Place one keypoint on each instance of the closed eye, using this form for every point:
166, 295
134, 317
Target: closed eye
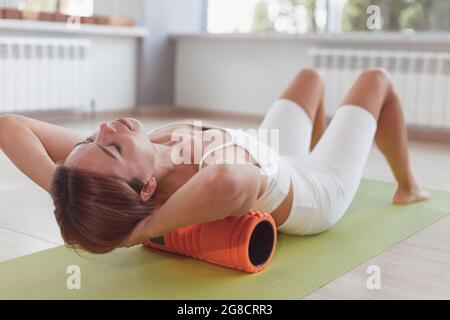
107, 152
88, 140
118, 148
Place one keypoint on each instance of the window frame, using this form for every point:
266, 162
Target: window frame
333, 27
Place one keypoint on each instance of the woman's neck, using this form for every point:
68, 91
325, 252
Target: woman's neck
164, 173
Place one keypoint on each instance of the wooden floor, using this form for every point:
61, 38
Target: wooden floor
417, 268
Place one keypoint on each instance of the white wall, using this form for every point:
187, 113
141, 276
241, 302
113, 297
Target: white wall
163, 18
245, 73
114, 72
235, 75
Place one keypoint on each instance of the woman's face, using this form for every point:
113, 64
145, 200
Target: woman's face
120, 148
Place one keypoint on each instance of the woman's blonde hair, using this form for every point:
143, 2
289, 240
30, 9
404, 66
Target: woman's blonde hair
96, 212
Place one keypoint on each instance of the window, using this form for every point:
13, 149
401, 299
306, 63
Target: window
43, 5
399, 15
70, 7
77, 7
301, 16
289, 16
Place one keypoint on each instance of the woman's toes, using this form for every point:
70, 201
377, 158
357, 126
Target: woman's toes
402, 196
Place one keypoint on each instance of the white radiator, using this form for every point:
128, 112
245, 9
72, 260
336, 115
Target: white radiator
422, 80
44, 74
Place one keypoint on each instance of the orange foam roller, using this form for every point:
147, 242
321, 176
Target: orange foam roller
246, 243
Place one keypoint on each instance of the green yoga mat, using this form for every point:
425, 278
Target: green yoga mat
300, 264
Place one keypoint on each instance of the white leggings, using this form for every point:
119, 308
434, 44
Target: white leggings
324, 181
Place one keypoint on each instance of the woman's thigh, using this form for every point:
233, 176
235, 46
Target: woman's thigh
326, 182
346, 145
290, 128
294, 113
370, 91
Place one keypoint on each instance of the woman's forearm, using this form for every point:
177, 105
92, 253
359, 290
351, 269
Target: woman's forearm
26, 151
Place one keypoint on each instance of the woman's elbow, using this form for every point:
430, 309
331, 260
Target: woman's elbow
7, 120
6, 125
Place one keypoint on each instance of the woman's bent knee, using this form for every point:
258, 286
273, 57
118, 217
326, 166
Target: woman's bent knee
311, 76
306, 90
370, 91
377, 76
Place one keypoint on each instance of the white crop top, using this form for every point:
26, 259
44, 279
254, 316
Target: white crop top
278, 179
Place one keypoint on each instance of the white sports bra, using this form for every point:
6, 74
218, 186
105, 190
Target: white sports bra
278, 179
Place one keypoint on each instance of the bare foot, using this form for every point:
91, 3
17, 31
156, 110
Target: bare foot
408, 196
